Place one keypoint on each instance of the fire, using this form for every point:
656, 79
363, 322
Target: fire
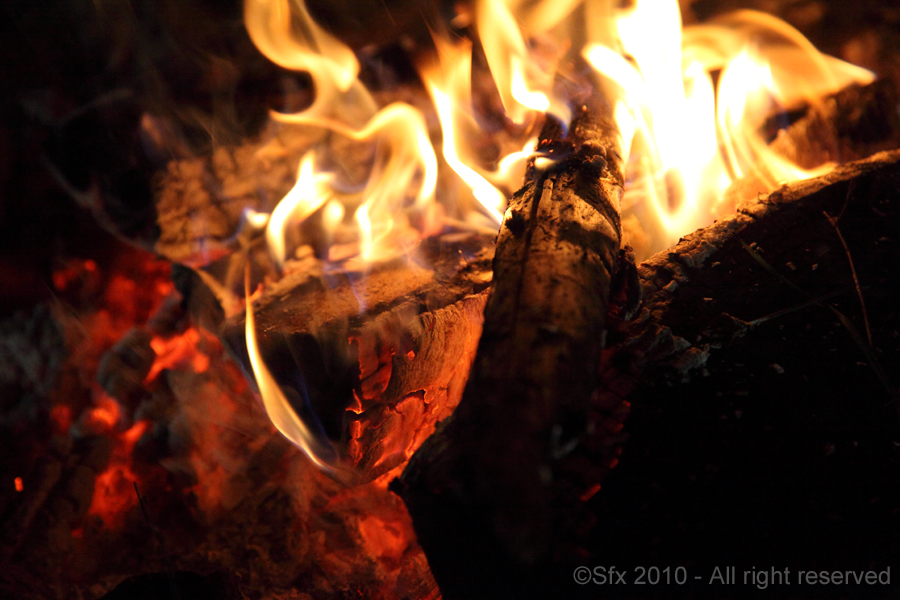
448, 83
404, 171
280, 411
690, 101
692, 137
690, 104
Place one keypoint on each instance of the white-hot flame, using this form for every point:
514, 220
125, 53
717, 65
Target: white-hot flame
694, 138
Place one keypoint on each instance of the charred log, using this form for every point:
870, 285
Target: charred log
488, 493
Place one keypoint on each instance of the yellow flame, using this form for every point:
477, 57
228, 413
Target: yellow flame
449, 84
688, 137
404, 174
309, 193
276, 404
405, 156
287, 34
507, 56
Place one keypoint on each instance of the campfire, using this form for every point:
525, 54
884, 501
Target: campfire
486, 299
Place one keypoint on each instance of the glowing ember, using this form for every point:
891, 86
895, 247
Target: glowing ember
104, 415
179, 352
18, 484
113, 489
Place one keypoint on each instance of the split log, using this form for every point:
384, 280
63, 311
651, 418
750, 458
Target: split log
379, 359
488, 492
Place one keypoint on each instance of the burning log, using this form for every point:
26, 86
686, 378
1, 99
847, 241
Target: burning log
380, 360
852, 124
485, 491
687, 287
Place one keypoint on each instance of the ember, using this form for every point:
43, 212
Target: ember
353, 295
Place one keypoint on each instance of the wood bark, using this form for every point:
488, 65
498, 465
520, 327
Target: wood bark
485, 491
789, 229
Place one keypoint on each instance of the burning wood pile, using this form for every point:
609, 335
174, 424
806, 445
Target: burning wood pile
499, 291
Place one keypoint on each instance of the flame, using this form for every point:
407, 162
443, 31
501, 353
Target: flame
691, 101
693, 138
403, 176
690, 104
308, 194
280, 411
286, 33
508, 57
449, 83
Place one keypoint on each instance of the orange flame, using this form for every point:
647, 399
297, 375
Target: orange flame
404, 174
449, 83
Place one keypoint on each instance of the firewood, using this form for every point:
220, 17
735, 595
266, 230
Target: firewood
200, 201
485, 491
686, 286
381, 358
